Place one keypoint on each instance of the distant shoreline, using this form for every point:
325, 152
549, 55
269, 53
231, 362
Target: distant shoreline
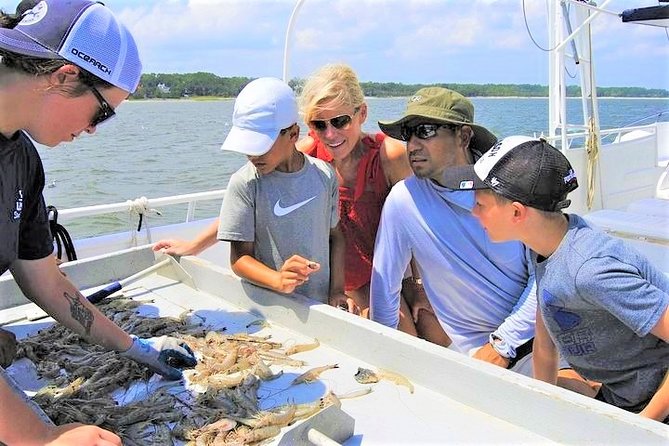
216, 98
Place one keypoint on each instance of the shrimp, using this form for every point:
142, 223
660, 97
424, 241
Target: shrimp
312, 374
355, 393
280, 358
298, 348
280, 417
307, 409
264, 372
247, 436
62, 392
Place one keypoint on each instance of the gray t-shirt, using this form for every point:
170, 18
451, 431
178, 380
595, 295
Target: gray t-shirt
600, 299
285, 214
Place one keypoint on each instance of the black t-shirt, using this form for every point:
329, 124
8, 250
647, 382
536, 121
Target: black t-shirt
24, 224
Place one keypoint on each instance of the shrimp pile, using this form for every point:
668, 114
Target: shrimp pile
219, 407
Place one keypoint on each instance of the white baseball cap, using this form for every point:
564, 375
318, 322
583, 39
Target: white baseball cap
262, 109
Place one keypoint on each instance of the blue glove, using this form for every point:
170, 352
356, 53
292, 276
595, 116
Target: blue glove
162, 355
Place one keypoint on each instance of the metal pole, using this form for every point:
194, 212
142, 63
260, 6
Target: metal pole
584, 24
289, 35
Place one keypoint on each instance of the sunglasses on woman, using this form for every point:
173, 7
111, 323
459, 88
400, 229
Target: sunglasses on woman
104, 112
423, 131
340, 122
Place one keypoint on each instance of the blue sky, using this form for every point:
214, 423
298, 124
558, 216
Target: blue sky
408, 41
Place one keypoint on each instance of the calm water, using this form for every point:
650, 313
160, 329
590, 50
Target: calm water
157, 149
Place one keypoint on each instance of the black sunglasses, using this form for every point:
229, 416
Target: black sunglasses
423, 131
104, 112
338, 122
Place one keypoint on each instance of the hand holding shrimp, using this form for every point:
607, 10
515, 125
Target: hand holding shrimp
294, 272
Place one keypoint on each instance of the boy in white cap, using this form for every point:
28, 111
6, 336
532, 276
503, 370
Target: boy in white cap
280, 212
603, 305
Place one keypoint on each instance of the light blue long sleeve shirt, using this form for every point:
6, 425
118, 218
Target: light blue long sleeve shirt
475, 286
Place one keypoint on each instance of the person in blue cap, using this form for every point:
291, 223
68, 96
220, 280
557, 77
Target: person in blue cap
65, 66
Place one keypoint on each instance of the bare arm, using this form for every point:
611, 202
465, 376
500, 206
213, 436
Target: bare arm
661, 329
395, 161
304, 144
19, 424
337, 253
41, 281
658, 407
544, 354
292, 274
202, 241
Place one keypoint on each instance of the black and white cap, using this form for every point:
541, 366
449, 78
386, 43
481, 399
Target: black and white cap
519, 168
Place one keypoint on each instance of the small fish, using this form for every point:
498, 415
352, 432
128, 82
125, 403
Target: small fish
367, 376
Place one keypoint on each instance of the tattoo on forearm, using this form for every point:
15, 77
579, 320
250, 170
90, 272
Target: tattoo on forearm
80, 313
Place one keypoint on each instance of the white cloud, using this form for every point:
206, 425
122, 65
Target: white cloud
402, 40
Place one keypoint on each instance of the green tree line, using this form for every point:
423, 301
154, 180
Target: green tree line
193, 85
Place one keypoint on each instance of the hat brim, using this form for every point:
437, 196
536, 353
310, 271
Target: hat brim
15, 41
483, 139
462, 178
249, 142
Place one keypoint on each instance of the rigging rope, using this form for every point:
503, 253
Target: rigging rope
529, 33
60, 236
140, 206
592, 143
592, 149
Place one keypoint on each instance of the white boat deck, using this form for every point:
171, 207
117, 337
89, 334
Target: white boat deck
456, 399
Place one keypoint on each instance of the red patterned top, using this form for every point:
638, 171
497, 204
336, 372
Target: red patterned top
359, 209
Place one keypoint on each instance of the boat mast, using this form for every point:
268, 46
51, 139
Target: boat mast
563, 17
289, 38
570, 30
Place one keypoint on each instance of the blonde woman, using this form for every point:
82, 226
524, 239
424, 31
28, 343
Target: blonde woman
367, 165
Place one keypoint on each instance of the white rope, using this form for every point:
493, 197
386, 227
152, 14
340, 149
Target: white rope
592, 143
592, 149
137, 207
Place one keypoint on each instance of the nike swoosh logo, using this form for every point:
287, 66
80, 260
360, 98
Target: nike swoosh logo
280, 211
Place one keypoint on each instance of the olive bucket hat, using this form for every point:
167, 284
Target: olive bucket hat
440, 105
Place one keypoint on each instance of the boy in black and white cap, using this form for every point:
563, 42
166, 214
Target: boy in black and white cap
603, 305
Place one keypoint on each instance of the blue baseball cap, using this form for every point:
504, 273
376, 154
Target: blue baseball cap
83, 32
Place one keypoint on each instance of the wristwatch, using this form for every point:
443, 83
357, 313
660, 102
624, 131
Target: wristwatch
501, 346
416, 281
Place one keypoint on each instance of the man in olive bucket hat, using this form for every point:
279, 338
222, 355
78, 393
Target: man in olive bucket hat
436, 105
481, 293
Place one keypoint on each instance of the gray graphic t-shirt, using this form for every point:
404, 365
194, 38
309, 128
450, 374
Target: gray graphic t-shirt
599, 300
285, 214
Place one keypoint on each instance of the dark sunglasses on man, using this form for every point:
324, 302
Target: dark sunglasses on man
105, 111
424, 131
338, 122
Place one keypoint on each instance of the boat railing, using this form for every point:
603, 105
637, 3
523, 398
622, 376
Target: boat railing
143, 205
582, 133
